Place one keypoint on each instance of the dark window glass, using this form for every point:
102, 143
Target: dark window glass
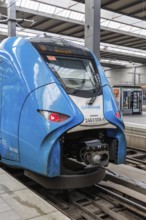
77, 75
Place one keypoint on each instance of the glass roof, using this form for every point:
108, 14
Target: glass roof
3, 29
117, 62
50, 9
123, 27
76, 11
103, 46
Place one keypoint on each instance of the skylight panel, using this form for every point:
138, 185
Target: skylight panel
81, 17
66, 13
33, 5
143, 32
58, 11
125, 27
25, 3
42, 7
105, 22
62, 12
135, 30
114, 24
52, 9
74, 15
46, 8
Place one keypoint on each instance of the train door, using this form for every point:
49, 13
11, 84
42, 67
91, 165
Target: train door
136, 102
127, 102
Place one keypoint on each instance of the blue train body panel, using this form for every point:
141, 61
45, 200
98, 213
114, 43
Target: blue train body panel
110, 109
44, 145
33, 89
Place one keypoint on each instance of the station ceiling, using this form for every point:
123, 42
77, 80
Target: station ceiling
123, 24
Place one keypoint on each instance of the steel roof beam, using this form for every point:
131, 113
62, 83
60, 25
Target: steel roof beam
112, 36
108, 3
130, 40
53, 26
129, 5
137, 12
73, 30
40, 22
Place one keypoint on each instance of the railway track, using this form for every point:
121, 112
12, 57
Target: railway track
115, 198
136, 158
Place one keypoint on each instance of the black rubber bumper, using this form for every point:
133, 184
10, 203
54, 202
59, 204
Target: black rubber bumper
68, 181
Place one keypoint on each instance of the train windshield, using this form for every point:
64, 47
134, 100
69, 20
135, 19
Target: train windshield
72, 64
77, 75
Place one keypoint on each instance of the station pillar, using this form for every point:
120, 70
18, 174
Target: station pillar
92, 25
11, 11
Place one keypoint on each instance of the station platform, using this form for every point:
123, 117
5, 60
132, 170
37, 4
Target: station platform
138, 120
135, 131
17, 202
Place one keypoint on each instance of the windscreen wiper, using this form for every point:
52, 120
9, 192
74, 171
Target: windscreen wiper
96, 93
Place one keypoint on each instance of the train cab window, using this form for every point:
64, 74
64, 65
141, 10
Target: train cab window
73, 65
77, 75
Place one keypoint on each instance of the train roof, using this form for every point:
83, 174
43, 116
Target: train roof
58, 45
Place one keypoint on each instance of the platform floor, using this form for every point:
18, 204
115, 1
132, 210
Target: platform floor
135, 120
17, 202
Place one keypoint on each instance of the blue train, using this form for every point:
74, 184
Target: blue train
59, 120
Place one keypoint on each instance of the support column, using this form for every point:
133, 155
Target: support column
11, 11
134, 75
92, 25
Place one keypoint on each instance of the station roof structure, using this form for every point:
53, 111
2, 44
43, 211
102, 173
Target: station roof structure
123, 25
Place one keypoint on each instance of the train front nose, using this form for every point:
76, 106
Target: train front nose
47, 113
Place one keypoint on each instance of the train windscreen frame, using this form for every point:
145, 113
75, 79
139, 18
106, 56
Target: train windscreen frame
74, 68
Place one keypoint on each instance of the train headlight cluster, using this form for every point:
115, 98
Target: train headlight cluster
53, 116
